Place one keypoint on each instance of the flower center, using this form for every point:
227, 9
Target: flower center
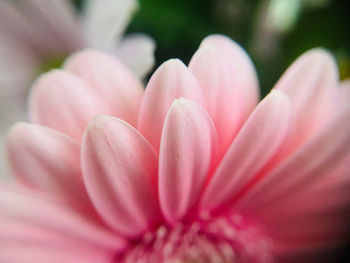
224, 239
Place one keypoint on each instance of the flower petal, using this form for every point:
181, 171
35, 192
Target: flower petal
310, 82
63, 101
314, 162
187, 155
61, 26
106, 20
43, 252
120, 172
228, 80
111, 81
45, 32
171, 81
137, 52
28, 218
260, 138
344, 95
47, 160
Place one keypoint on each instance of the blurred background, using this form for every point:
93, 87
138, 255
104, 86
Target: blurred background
274, 32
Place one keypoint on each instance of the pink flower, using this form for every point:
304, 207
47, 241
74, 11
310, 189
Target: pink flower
38, 34
191, 170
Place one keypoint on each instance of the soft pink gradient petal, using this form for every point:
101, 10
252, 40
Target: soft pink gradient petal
187, 155
313, 213
51, 223
120, 172
171, 81
229, 82
113, 82
303, 201
64, 102
313, 162
44, 252
310, 82
44, 159
260, 138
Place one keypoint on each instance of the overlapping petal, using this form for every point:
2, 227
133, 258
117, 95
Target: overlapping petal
187, 156
171, 81
120, 173
111, 81
314, 162
228, 80
311, 83
52, 232
46, 160
259, 140
65, 102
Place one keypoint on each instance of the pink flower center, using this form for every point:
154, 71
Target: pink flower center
223, 239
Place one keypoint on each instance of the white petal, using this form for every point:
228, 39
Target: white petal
106, 20
137, 52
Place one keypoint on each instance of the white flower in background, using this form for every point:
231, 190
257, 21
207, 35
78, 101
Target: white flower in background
36, 35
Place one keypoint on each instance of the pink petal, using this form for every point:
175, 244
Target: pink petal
304, 200
28, 219
43, 252
47, 160
114, 84
171, 81
313, 163
260, 138
228, 80
187, 155
120, 171
310, 82
63, 101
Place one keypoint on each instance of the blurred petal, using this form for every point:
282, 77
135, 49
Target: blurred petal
344, 94
43, 252
14, 26
120, 172
310, 82
4, 173
228, 80
28, 218
171, 81
113, 83
187, 154
137, 52
32, 23
260, 138
106, 20
61, 25
17, 66
63, 101
47, 160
